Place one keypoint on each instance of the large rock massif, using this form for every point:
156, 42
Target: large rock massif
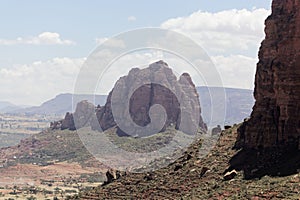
144, 88
275, 120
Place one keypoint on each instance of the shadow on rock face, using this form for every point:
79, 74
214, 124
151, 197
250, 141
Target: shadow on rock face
271, 162
121, 133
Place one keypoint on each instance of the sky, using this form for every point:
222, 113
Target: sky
43, 44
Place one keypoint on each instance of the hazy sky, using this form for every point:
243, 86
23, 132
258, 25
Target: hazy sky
44, 43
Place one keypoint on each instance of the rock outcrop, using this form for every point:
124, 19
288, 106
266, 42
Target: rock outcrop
217, 130
275, 120
68, 122
147, 87
82, 116
143, 89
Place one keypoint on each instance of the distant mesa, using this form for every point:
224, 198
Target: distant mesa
143, 88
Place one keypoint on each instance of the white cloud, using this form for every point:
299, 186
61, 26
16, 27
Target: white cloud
100, 40
34, 83
141, 59
41, 80
131, 18
225, 36
110, 42
228, 31
45, 38
232, 39
236, 71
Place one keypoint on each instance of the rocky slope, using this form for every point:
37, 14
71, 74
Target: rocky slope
275, 120
192, 177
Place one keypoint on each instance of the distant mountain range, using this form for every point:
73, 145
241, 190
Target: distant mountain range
239, 103
59, 105
6, 106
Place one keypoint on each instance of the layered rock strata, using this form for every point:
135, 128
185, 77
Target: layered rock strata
275, 119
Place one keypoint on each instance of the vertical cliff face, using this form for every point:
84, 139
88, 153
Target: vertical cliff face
275, 119
151, 94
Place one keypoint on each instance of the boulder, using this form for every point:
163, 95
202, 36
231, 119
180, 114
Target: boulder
230, 175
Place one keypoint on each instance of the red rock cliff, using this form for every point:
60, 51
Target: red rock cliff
275, 120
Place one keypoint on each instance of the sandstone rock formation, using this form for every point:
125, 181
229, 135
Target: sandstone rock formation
68, 122
275, 120
142, 89
81, 117
83, 114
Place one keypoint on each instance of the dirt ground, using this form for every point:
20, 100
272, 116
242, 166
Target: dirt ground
59, 179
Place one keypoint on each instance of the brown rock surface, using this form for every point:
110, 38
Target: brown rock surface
275, 120
83, 114
68, 122
80, 118
188, 182
141, 87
